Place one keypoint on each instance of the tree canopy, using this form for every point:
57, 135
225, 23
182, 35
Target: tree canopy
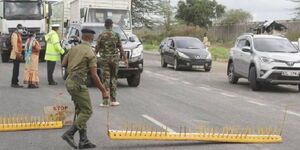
235, 16
141, 10
199, 12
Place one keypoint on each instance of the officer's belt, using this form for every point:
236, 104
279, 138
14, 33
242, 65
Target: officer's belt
77, 77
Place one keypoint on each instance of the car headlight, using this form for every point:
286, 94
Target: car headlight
180, 54
266, 60
208, 56
137, 51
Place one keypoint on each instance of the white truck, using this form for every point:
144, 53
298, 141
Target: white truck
97, 11
32, 14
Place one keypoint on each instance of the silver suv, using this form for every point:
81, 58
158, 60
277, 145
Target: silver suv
264, 58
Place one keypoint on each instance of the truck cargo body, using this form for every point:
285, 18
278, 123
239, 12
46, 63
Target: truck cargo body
29, 13
97, 11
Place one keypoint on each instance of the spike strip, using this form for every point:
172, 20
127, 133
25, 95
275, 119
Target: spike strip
215, 137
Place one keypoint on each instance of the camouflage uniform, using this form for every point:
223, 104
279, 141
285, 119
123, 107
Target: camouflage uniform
80, 59
108, 46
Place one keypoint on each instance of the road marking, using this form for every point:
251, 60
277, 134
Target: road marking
158, 123
293, 113
229, 95
256, 103
205, 88
187, 83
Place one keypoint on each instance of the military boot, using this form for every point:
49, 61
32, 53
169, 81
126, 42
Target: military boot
69, 136
84, 142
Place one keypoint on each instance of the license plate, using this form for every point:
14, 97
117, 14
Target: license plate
196, 67
122, 64
290, 73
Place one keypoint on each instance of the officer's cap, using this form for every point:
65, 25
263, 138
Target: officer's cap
108, 22
88, 31
55, 26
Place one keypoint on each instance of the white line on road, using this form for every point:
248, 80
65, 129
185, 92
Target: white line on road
256, 103
293, 113
158, 123
205, 88
187, 83
229, 95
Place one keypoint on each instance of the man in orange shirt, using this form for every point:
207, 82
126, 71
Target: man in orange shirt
16, 55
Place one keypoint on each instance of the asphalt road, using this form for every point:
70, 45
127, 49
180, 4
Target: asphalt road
165, 97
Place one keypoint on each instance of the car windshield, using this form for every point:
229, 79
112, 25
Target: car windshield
274, 45
99, 30
189, 43
23, 10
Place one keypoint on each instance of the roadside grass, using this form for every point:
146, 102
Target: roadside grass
151, 47
218, 52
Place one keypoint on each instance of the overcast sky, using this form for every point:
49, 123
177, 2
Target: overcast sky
261, 9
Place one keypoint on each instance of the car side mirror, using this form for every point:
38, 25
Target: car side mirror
131, 39
246, 49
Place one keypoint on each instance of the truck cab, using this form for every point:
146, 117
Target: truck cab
132, 48
30, 13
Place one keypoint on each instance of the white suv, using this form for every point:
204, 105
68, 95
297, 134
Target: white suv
264, 58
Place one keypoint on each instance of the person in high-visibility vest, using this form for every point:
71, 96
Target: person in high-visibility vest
53, 52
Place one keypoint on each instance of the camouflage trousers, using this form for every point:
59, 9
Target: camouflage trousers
109, 75
81, 98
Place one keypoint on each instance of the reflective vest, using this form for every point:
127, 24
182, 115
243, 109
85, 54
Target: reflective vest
53, 49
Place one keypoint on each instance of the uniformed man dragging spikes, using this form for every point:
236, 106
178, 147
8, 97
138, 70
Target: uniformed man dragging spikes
79, 61
108, 45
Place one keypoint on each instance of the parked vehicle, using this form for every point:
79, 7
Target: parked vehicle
264, 59
185, 52
133, 49
31, 14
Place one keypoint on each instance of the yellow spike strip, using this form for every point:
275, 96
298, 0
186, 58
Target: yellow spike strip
229, 138
21, 122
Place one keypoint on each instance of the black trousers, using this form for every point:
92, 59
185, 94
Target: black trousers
16, 68
50, 70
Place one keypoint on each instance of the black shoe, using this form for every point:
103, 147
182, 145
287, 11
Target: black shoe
84, 142
69, 136
16, 86
53, 83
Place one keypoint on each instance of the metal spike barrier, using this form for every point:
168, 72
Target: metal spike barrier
21, 123
226, 135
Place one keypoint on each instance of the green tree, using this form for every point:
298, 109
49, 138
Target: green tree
141, 11
297, 8
199, 12
165, 12
235, 16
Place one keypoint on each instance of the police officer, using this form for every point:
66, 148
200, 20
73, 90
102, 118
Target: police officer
108, 45
79, 61
53, 52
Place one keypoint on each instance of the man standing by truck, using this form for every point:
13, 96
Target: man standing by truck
109, 44
16, 55
53, 52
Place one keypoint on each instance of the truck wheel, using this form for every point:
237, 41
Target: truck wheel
254, 84
232, 78
134, 81
64, 73
163, 63
5, 57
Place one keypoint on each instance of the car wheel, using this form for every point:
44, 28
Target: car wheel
254, 84
163, 63
232, 78
207, 69
64, 73
176, 66
5, 57
299, 88
134, 81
